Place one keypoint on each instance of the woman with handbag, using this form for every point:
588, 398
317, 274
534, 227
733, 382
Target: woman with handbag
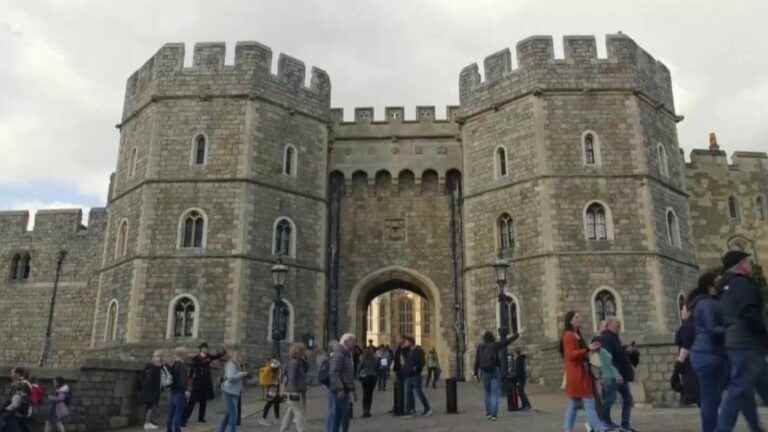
368, 378
59, 410
579, 383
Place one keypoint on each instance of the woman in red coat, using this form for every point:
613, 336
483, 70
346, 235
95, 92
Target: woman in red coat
579, 384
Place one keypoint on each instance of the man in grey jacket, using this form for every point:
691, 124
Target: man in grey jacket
342, 382
746, 338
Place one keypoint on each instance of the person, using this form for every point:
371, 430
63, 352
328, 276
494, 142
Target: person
413, 368
745, 340
59, 409
25, 387
231, 388
17, 407
329, 418
433, 367
521, 378
274, 397
342, 382
683, 376
202, 383
267, 378
612, 343
295, 388
385, 362
150, 389
487, 368
707, 354
609, 378
179, 392
400, 356
579, 384
367, 374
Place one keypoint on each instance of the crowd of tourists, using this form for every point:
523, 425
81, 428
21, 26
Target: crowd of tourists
27, 397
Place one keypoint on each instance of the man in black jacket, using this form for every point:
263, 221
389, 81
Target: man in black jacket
746, 338
179, 392
412, 369
521, 377
612, 344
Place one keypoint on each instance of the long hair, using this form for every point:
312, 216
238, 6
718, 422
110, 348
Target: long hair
706, 281
568, 327
488, 337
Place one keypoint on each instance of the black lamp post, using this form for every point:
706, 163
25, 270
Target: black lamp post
501, 268
279, 322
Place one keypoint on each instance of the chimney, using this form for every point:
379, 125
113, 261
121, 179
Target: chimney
713, 147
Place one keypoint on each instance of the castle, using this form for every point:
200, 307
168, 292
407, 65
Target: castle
568, 168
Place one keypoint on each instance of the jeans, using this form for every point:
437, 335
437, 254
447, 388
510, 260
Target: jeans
520, 383
433, 375
626, 405
711, 372
571, 409
492, 387
337, 412
178, 402
748, 369
413, 385
230, 418
610, 393
294, 412
383, 376
369, 385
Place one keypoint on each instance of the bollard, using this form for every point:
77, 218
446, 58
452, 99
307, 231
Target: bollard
451, 396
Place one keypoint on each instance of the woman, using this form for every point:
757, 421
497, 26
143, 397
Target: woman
579, 384
295, 388
368, 377
708, 357
150, 389
202, 384
231, 388
273, 395
683, 376
433, 367
59, 410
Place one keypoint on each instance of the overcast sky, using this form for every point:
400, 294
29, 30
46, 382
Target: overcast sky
64, 63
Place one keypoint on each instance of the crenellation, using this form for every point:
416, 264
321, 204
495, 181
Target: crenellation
364, 115
209, 56
337, 115
535, 51
291, 70
253, 55
425, 113
395, 114
497, 65
580, 49
451, 112
13, 222
320, 82
58, 220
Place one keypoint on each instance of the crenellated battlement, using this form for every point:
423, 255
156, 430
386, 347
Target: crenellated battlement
395, 115
164, 74
627, 67
702, 159
50, 221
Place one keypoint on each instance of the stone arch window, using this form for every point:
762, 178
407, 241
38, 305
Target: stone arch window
426, 318
734, 212
121, 246
383, 304
21, 266
606, 303
406, 181
405, 316
110, 328
663, 160
760, 210
429, 182
284, 238
673, 229
383, 181
598, 221
513, 312
132, 165
193, 229
288, 317
290, 160
183, 317
200, 150
501, 162
590, 149
506, 234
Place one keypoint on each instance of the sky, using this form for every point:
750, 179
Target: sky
64, 64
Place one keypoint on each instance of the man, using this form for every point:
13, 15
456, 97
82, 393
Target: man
400, 357
178, 391
414, 365
202, 383
745, 341
487, 366
342, 381
16, 411
521, 378
612, 343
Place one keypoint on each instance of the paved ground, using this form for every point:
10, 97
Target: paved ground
547, 415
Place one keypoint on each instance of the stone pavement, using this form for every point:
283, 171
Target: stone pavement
547, 415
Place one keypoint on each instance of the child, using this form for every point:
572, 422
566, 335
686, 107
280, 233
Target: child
273, 394
59, 410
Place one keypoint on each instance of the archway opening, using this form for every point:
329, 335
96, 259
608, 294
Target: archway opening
396, 309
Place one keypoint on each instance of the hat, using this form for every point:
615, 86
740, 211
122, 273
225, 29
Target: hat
731, 258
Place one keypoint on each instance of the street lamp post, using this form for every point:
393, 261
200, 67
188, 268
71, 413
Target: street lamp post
501, 268
279, 324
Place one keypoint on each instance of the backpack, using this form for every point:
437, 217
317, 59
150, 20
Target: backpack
324, 372
68, 397
166, 377
266, 376
36, 395
487, 357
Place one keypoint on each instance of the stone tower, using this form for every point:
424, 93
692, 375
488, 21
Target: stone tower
221, 167
573, 171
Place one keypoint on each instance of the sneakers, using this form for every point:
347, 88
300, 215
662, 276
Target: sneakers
263, 422
493, 418
427, 413
150, 426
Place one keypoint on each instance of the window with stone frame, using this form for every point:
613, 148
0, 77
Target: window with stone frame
760, 210
110, 333
506, 232
283, 238
514, 318
383, 316
605, 306
184, 318
21, 265
673, 229
734, 213
200, 150
663, 160
193, 230
590, 149
290, 160
426, 318
132, 167
121, 249
405, 316
501, 162
596, 222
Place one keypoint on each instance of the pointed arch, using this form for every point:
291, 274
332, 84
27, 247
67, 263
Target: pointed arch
200, 150
606, 302
183, 317
598, 221
505, 234
291, 321
284, 237
673, 228
110, 325
663, 159
591, 154
193, 229
121, 245
514, 313
500, 161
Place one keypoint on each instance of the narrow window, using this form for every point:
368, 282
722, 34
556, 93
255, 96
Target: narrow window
663, 162
283, 233
506, 231
760, 208
15, 267
111, 330
383, 316
289, 160
733, 209
673, 229
132, 166
193, 230
605, 305
596, 222
184, 318
589, 149
406, 316
501, 156
426, 318
200, 150
26, 266
514, 325
122, 240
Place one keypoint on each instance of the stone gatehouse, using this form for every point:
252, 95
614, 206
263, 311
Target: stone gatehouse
568, 168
